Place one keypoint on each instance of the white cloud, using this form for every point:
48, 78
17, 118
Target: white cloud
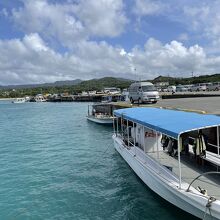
148, 7
172, 58
70, 23
53, 21
76, 25
203, 19
30, 60
4, 12
103, 17
34, 42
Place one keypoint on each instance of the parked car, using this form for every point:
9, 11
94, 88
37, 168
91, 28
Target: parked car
181, 88
159, 89
199, 87
188, 87
164, 90
143, 92
214, 86
171, 88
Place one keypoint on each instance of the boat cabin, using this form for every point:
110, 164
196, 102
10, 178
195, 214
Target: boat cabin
100, 113
100, 109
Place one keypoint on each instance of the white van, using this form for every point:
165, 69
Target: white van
143, 92
171, 88
214, 86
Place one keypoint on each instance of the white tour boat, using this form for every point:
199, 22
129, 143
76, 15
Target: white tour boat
40, 98
19, 100
176, 154
100, 114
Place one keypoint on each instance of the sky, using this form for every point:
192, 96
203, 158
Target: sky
54, 40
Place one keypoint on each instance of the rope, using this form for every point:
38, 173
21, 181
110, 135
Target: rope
211, 199
101, 156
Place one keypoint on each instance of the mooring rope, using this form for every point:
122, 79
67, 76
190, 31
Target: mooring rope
208, 207
101, 156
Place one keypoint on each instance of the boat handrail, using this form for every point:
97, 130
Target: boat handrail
203, 174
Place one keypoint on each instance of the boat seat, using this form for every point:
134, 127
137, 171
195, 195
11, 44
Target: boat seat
210, 157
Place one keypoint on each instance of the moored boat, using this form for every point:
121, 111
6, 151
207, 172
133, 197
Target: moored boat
40, 98
100, 114
19, 100
176, 154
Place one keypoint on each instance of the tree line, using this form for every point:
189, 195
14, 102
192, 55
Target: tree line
100, 84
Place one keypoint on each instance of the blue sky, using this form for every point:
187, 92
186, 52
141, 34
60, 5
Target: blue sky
49, 40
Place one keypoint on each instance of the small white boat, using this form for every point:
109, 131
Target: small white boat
101, 119
176, 154
40, 98
100, 114
19, 100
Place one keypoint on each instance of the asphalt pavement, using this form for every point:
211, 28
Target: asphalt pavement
208, 105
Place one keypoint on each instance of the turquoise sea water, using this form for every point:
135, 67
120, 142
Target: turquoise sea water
54, 164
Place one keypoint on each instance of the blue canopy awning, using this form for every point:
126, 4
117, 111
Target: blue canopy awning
170, 122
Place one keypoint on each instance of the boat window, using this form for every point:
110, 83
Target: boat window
148, 88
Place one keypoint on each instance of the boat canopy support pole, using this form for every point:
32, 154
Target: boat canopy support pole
113, 125
134, 129
128, 132
122, 127
117, 127
180, 171
143, 134
157, 145
218, 139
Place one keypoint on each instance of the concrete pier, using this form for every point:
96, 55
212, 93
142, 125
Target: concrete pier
203, 105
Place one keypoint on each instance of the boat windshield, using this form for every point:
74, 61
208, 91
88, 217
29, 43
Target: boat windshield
148, 88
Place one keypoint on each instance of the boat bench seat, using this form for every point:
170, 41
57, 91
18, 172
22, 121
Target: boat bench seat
210, 157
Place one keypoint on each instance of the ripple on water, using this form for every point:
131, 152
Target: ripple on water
53, 166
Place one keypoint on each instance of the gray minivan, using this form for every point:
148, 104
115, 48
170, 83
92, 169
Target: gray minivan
143, 92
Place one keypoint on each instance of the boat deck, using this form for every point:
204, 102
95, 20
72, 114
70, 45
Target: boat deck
190, 170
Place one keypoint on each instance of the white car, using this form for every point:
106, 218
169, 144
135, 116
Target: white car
181, 88
214, 86
198, 87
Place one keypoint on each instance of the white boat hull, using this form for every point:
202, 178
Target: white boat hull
104, 121
190, 202
15, 102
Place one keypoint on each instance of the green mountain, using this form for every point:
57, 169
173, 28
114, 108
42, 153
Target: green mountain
77, 86
99, 84
65, 87
189, 80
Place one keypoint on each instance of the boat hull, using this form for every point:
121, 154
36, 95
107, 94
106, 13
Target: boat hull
171, 193
15, 102
101, 120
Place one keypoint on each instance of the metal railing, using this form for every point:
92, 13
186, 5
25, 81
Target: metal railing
203, 174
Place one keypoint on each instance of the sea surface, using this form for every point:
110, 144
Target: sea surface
54, 164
